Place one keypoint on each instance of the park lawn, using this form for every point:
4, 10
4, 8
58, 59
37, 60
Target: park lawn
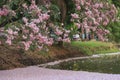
94, 47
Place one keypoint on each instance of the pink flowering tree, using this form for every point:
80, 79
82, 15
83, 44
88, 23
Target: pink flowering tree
27, 24
34, 28
93, 16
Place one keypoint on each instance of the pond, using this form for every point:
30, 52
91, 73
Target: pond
104, 64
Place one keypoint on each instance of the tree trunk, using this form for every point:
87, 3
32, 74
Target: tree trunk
92, 36
63, 9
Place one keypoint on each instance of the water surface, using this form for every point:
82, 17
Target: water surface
105, 64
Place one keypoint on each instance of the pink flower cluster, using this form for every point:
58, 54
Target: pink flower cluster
4, 11
58, 32
33, 5
75, 16
11, 35
101, 33
35, 31
93, 14
61, 33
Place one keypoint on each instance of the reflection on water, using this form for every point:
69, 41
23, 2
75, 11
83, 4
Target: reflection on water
106, 64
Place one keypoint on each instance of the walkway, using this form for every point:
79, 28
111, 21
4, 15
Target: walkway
37, 73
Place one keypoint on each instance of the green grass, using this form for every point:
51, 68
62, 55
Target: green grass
94, 47
104, 64
91, 43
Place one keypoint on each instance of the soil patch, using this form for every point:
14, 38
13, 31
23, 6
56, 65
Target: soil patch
12, 57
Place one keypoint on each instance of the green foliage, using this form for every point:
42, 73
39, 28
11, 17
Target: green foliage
70, 9
2, 2
55, 13
116, 3
14, 4
115, 31
73, 28
115, 26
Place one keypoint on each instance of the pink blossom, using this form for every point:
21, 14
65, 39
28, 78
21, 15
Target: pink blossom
75, 15
4, 11
10, 31
33, 5
99, 19
36, 29
93, 15
82, 2
65, 35
107, 31
40, 18
45, 16
96, 5
40, 47
25, 20
88, 3
27, 44
13, 13
26, 31
87, 30
78, 25
58, 32
88, 13
66, 40
67, 31
24, 37
101, 5
59, 39
9, 41
93, 28
0, 42
43, 39
32, 25
96, 23
49, 42
32, 37
15, 33
36, 21
78, 7
25, 6
105, 23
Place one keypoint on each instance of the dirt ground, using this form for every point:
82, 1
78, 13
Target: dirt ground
12, 57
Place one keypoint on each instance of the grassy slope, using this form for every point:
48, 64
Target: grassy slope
94, 47
11, 57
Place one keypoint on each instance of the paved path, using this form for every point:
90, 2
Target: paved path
37, 73
78, 58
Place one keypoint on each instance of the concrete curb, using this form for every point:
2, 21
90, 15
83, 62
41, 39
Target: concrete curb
76, 58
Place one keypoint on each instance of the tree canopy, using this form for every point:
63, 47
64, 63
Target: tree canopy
39, 23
